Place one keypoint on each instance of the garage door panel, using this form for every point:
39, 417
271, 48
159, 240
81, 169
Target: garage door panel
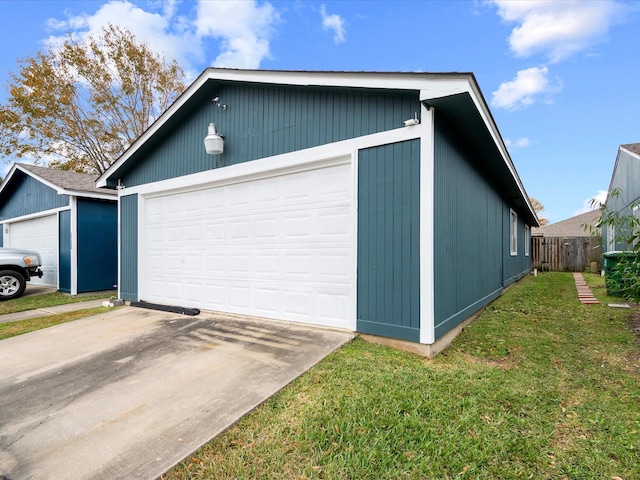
214, 297
266, 227
41, 235
279, 247
334, 267
331, 304
267, 301
334, 223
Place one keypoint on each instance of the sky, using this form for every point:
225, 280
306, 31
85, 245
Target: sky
560, 77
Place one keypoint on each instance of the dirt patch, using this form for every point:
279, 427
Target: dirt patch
503, 363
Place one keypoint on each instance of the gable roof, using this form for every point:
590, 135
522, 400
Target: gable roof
63, 181
456, 97
571, 227
632, 148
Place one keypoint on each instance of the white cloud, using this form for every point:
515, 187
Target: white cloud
244, 27
154, 28
521, 142
523, 90
334, 23
558, 28
592, 203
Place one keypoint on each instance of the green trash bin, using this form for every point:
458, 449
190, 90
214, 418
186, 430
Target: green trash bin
616, 285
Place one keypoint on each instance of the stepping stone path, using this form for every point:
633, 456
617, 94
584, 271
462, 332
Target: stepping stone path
585, 295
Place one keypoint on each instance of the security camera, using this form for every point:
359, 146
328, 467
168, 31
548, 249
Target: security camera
411, 121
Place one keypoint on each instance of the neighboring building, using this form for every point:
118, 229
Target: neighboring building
384, 203
571, 227
572, 245
625, 181
63, 216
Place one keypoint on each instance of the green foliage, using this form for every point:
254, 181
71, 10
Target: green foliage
80, 105
12, 329
34, 302
623, 271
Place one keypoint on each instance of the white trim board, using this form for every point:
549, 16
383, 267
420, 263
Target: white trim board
286, 161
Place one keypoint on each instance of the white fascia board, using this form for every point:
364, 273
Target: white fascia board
465, 83
267, 166
613, 174
53, 186
379, 80
8, 177
59, 190
31, 174
629, 152
370, 80
96, 196
445, 87
101, 182
30, 216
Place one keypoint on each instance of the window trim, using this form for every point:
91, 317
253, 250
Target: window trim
611, 238
527, 240
513, 232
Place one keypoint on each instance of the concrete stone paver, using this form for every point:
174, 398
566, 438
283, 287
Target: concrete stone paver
129, 393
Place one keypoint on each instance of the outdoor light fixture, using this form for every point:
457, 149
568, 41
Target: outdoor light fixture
412, 121
216, 102
214, 142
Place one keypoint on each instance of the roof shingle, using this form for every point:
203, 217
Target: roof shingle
74, 181
571, 227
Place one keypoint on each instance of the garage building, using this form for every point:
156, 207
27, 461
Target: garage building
383, 203
64, 217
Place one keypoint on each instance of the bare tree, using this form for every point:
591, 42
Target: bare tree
80, 105
538, 207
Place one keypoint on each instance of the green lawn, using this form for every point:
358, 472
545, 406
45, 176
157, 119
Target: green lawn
33, 302
539, 386
12, 329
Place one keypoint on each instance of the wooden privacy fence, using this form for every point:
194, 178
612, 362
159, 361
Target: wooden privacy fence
565, 254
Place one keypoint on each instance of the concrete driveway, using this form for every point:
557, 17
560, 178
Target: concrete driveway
130, 393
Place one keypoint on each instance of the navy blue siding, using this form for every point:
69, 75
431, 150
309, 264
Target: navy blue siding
64, 255
97, 245
388, 291
471, 235
26, 195
261, 121
2, 236
129, 247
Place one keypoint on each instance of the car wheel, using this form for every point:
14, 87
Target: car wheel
12, 284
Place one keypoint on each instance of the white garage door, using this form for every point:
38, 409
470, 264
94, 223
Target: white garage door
279, 247
41, 235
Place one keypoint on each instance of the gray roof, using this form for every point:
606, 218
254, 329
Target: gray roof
67, 180
571, 227
632, 147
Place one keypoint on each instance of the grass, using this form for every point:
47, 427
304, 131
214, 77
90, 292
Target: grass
13, 329
34, 302
539, 386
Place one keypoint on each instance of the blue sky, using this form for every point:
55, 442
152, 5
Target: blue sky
561, 77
